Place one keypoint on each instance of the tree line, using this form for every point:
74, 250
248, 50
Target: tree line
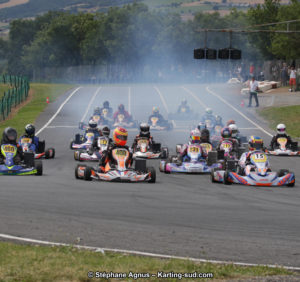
135, 37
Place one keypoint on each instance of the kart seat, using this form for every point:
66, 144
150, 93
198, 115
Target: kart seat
156, 147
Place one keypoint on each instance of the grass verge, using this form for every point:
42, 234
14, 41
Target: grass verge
45, 263
289, 115
29, 112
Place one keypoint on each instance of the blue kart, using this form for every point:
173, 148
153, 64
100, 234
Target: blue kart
26, 167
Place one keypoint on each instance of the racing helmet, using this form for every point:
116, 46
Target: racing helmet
255, 143
155, 110
208, 111
105, 104
231, 121
92, 124
121, 107
184, 102
218, 119
195, 136
120, 135
281, 128
97, 111
30, 130
201, 125
105, 131
226, 132
234, 130
144, 129
9, 135
205, 135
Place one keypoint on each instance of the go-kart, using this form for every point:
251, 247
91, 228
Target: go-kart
26, 167
121, 121
119, 172
82, 142
157, 124
105, 114
183, 115
200, 159
97, 118
80, 155
283, 149
257, 173
144, 151
40, 152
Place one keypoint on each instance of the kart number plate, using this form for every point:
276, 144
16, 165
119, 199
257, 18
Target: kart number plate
281, 140
121, 153
103, 142
259, 157
96, 118
194, 149
226, 145
206, 147
26, 140
90, 134
9, 149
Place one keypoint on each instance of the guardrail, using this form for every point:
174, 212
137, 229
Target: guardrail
16, 95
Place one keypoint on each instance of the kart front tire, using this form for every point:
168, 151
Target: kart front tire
152, 174
291, 184
165, 153
39, 168
87, 174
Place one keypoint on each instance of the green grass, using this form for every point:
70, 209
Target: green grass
289, 115
31, 111
41, 263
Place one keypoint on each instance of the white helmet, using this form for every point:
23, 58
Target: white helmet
234, 130
281, 128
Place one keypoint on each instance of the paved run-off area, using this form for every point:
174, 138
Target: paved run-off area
184, 215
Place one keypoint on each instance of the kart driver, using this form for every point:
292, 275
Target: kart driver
183, 107
235, 132
227, 136
92, 128
281, 133
155, 113
30, 133
256, 145
120, 135
201, 125
108, 108
209, 116
9, 136
219, 121
195, 137
204, 136
97, 111
231, 121
121, 111
144, 133
104, 132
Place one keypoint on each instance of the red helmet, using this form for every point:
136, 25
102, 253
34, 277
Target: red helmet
231, 121
120, 136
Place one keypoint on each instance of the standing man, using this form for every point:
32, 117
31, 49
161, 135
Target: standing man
293, 79
253, 91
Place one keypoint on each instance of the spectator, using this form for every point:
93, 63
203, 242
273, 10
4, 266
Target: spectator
293, 79
284, 75
253, 91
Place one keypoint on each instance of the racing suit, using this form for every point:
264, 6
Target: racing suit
95, 146
35, 142
108, 158
109, 111
160, 121
245, 159
19, 155
235, 145
139, 136
127, 116
274, 140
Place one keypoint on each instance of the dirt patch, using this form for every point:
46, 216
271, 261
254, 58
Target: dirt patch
13, 3
14, 110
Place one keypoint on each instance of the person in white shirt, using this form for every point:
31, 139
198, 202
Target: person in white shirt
293, 79
253, 91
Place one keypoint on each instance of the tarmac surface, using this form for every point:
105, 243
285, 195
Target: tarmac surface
184, 215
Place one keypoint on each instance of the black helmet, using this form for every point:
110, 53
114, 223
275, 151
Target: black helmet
106, 131
106, 104
9, 135
97, 110
144, 128
204, 135
92, 124
121, 107
30, 130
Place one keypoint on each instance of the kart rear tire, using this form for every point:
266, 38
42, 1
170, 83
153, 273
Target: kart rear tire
212, 176
153, 174
225, 180
283, 172
87, 174
76, 155
165, 153
39, 167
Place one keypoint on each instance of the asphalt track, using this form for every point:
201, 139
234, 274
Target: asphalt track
183, 215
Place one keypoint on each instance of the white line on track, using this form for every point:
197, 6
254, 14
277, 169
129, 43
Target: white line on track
239, 112
129, 100
57, 112
90, 103
97, 249
164, 103
195, 97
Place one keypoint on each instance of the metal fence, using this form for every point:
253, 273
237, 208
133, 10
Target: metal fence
17, 94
